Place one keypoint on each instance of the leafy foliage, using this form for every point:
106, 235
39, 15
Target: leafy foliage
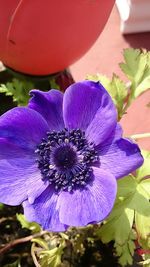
49, 252
32, 226
137, 69
18, 89
52, 257
132, 205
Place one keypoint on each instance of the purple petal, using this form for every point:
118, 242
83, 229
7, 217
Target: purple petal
88, 101
91, 204
103, 123
49, 105
23, 127
14, 174
45, 211
120, 158
10, 150
115, 135
35, 186
20, 177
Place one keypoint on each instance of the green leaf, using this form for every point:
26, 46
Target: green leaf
133, 194
132, 63
142, 217
119, 223
144, 170
137, 69
32, 226
140, 200
142, 225
52, 257
119, 89
132, 201
145, 187
125, 252
41, 242
144, 83
18, 89
126, 188
117, 227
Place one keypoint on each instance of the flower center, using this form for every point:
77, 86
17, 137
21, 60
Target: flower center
65, 159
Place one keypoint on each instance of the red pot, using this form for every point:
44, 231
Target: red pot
42, 37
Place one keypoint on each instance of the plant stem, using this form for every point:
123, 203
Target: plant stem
34, 256
140, 136
19, 241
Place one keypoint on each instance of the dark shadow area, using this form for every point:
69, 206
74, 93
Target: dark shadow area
138, 40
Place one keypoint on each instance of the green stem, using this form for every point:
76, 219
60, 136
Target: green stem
140, 136
130, 99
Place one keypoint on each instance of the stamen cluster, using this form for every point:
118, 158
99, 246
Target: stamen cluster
65, 158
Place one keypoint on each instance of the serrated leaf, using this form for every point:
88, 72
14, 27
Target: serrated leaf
119, 88
50, 261
125, 251
131, 57
132, 198
51, 258
137, 69
119, 223
118, 91
125, 257
117, 228
131, 246
32, 226
18, 89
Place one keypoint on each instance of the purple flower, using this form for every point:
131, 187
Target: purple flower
61, 155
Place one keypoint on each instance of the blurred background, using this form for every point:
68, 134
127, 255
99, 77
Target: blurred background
127, 26
104, 57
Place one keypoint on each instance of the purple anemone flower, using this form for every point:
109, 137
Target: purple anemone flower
61, 155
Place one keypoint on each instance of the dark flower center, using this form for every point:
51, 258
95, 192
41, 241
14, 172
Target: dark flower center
65, 159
